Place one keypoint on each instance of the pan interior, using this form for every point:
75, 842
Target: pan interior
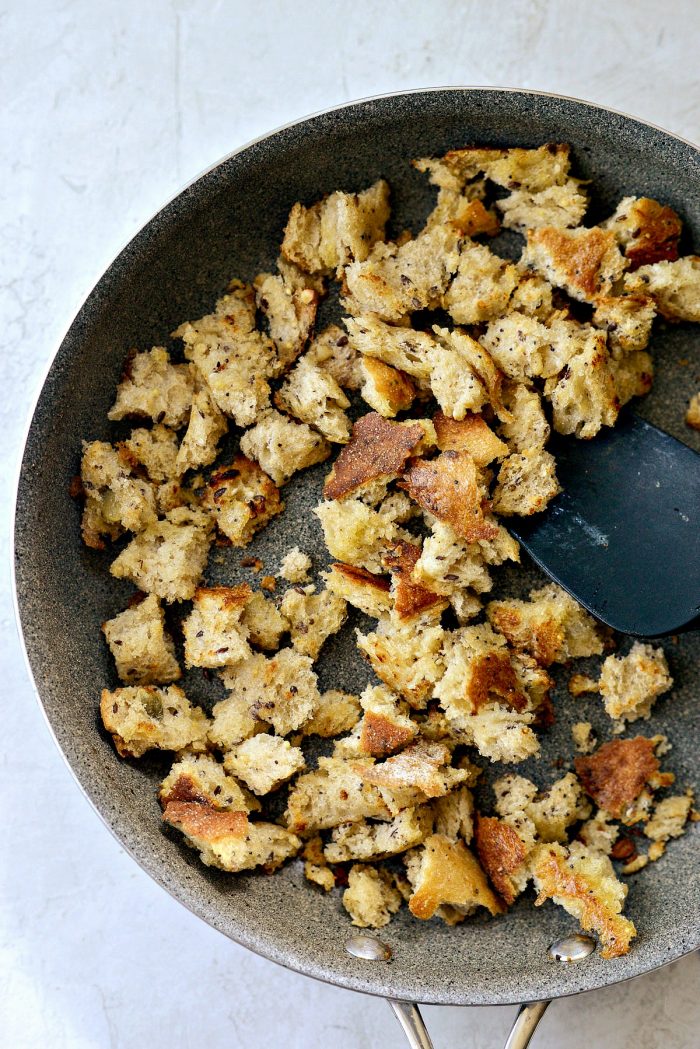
229, 224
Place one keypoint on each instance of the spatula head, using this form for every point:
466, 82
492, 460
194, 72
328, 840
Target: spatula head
623, 537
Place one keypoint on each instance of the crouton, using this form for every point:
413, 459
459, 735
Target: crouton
410, 598
361, 589
312, 618
200, 778
627, 319
632, 375
263, 622
449, 487
669, 817
497, 732
422, 766
377, 841
242, 499
550, 625
207, 425
357, 534
295, 566
282, 446
554, 207
316, 870
584, 262
264, 762
448, 564
478, 671
526, 483
332, 351
692, 415
333, 794
463, 378
464, 213
532, 297
502, 854
465, 606
280, 690
471, 434
385, 727
378, 451
228, 840
340, 229
154, 388
617, 773
482, 286
231, 356
406, 656
557, 808
143, 650
453, 814
213, 631
144, 717
396, 280
116, 499
289, 300
336, 712
449, 874
524, 348
527, 428
583, 882
385, 389
630, 684
155, 449
168, 558
599, 833
584, 737
402, 348
530, 169
647, 231
311, 394
233, 721
584, 397
674, 287
370, 898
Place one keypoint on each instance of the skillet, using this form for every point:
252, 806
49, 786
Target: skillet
228, 223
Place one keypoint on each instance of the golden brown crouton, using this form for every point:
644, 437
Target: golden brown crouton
143, 650
647, 231
482, 286
370, 898
289, 300
674, 287
627, 319
498, 733
377, 841
533, 297
316, 870
229, 840
402, 348
526, 483
584, 396
312, 618
692, 415
116, 499
362, 589
422, 766
630, 684
333, 794
357, 534
168, 558
213, 631
449, 487
410, 598
449, 564
242, 499
144, 718
233, 721
463, 377
337, 230
584, 262
153, 387
263, 622
478, 671
281, 690
449, 874
378, 450
295, 566
333, 351
531, 169
386, 389
155, 449
669, 817
336, 712
583, 882
264, 762
527, 428
551, 625
207, 425
406, 656
311, 394
463, 212
200, 778
471, 434
454, 813
632, 375
282, 446
502, 854
616, 774
599, 833
385, 727
556, 206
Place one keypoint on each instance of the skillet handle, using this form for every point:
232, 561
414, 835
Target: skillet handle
412, 1024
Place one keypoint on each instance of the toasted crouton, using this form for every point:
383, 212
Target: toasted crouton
582, 881
214, 633
282, 446
449, 487
357, 534
385, 727
410, 598
482, 286
527, 428
333, 351
370, 898
692, 415
242, 499
311, 394
143, 650
674, 287
406, 656
263, 622
526, 483
168, 558
627, 319
647, 231
144, 717
471, 434
669, 817
231, 356
632, 375
228, 840
362, 589
531, 169
464, 212
422, 766
454, 814
153, 387
156, 449
402, 348
524, 347
448, 873
333, 794
556, 206
630, 684
533, 297
502, 854
584, 262
478, 671
280, 690
233, 721
551, 625
116, 499
316, 870
377, 841
336, 712
312, 618
200, 778
207, 425
386, 389
289, 300
599, 833
448, 564
337, 230
264, 762
497, 732
463, 378
584, 396
617, 773
378, 451
557, 808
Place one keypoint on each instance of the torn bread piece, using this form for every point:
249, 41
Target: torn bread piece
530, 169
633, 375
533, 297
155, 449
206, 426
385, 726
405, 349
367, 591
333, 794
674, 287
332, 351
233, 721
385, 389
550, 625
453, 814
647, 231
582, 881
464, 211
214, 633
630, 684
316, 870
335, 713
618, 772
144, 717
295, 566
557, 206
482, 286
526, 483
446, 873
153, 387
377, 452
200, 778
498, 733
311, 395
584, 262
281, 690
143, 650
263, 623
312, 618
370, 898
527, 428
584, 395
502, 854
282, 447
115, 499
450, 488
478, 672
242, 499
463, 377
599, 832
406, 656
229, 840
339, 229
668, 820
357, 534
289, 300
231, 356
422, 767
584, 737
168, 558
451, 565
470, 434
628, 321
369, 842
409, 598
264, 762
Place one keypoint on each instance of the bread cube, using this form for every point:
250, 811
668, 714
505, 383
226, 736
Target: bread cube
370, 898
630, 684
627, 319
449, 874
264, 762
282, 446
281, 690
586, 263
143, 650
263, 622
312, 618
207, 425
333, 794
156, 450
213, 631
311, 394
242, 499
556, 206
143, 717
406, 656
200, 778
530, 169
551, 625
295, 566
647, 231
115, 499
370, 842
526, 483
336, 712
153, 387
332, 351
385, 389
168, 558
674, 287
482, 286
229, 840
289, 299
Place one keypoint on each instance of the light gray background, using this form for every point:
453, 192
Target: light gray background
106, 109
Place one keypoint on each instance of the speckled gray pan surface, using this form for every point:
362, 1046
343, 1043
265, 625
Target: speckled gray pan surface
229, 223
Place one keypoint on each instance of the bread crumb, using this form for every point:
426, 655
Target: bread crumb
295, 566
583, 736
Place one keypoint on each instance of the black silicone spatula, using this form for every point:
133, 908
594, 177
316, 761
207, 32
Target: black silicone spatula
624, 535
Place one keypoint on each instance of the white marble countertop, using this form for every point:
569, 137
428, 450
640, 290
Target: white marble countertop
107, 109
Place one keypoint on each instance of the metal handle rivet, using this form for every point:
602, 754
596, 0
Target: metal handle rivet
572, 948
369, 948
